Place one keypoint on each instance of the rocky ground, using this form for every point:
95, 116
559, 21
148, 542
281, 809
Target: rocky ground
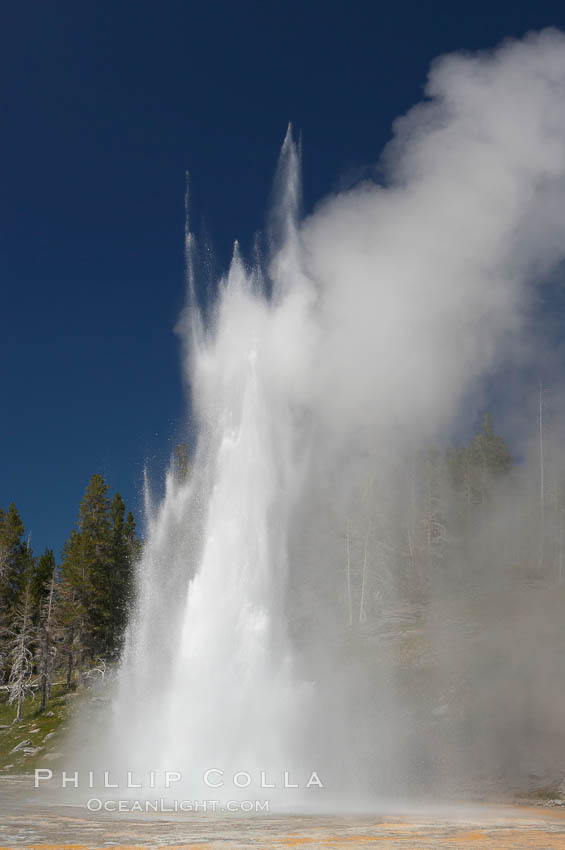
38, 735
29, 820
531, 814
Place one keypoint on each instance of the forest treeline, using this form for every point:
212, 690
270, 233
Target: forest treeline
467, 513
64, 618
437, 521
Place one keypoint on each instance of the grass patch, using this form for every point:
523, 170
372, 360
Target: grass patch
544, 794
42, 729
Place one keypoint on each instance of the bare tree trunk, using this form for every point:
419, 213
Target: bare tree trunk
21, 667
43, 690
69, 668
47, 640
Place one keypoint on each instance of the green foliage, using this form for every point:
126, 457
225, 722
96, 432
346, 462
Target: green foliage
73, 604
57, 620
16, 558
123, 553
93, 518
475, 468
34, 726
41, 577
97, 576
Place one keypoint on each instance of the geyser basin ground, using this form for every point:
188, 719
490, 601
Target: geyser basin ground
28, 821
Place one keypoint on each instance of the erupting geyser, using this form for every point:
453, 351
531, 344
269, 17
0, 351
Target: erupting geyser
225, 695
317, 376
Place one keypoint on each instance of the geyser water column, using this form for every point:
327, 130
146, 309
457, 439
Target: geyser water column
232, 685
422, 288
207, 680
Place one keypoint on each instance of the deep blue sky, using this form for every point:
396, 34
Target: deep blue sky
104, 106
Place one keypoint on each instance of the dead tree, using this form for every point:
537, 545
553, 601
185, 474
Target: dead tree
47, 643
21, 659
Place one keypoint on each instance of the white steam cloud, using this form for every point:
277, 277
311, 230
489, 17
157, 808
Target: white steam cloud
258, 638
423, 284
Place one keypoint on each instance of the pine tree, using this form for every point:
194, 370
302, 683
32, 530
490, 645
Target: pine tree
41, 578
474, 468
133, 542
95, 531
119, 578
492, 456
124, 553
433, 510
93, 512
85, 572
16, 557
96, 573
134, 549
4, 556
73, 602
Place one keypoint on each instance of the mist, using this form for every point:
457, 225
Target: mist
363, 575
